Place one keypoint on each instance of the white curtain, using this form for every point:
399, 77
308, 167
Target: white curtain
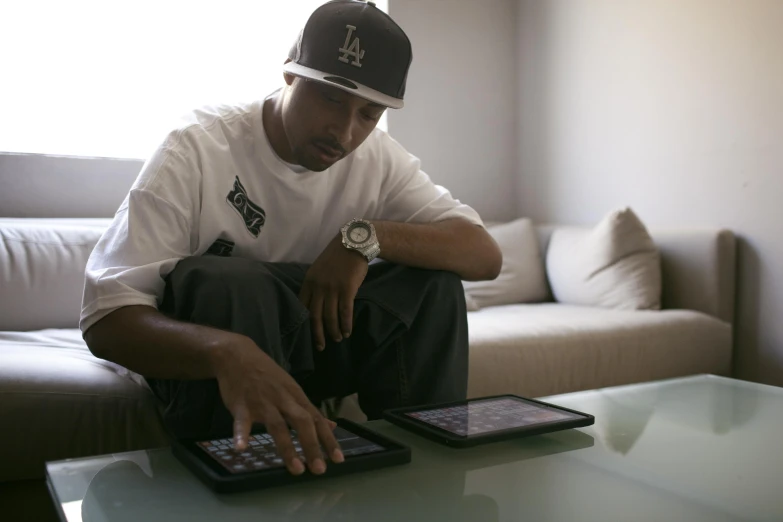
106, 78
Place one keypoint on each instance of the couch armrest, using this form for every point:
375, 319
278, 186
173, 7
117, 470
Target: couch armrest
698, 268
42, 263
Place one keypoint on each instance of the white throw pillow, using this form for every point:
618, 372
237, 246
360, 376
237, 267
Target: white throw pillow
522, 277
614, 265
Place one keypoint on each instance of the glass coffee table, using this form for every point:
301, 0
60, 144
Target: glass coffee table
702, 448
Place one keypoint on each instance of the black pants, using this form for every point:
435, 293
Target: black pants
409, 343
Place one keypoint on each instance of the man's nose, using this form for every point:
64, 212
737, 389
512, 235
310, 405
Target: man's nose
342, 128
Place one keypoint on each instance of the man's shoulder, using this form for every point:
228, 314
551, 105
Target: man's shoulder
380, 147
379, 138
208, 116
226, 121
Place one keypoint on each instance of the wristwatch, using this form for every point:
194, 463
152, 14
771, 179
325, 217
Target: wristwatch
359, 234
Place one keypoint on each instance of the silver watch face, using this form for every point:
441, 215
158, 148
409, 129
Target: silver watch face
359, 233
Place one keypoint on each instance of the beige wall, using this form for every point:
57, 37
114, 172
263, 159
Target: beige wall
460, 112
674, 107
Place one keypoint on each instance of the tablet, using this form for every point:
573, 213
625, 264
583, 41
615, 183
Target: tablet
486, 419
226, 470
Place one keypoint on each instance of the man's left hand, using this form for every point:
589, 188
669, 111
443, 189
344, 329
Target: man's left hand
329, 289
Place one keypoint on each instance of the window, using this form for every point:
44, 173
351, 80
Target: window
107, 79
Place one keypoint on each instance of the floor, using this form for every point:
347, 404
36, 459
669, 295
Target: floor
25, 501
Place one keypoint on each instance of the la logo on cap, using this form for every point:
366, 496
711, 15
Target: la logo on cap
353, 49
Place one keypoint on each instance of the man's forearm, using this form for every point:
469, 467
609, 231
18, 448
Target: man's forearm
455, 245
147, 342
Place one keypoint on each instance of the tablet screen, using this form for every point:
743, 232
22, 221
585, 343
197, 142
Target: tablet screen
489, 415
261, 453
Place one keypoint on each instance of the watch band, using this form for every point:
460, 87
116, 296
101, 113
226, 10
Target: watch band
371, 252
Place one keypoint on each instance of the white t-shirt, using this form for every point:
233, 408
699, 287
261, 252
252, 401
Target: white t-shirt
216, 184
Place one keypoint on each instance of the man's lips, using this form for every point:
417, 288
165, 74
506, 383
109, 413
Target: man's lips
327, 152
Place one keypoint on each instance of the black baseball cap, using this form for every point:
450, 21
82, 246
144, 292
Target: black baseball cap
353, 45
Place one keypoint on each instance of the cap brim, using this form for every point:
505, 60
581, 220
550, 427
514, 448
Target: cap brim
361, 91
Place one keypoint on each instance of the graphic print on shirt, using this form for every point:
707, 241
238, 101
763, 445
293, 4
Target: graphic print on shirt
254, 216
221, 247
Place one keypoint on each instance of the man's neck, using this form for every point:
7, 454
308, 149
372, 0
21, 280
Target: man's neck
272, 115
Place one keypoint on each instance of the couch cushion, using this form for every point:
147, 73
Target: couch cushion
548, 348
42, 264
614, 265
61, 402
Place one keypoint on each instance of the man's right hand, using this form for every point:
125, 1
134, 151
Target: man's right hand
255, 388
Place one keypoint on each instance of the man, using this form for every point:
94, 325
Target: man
236, 280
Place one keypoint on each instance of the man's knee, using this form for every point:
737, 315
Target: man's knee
214, 277
243, 296
446, 280
445, 285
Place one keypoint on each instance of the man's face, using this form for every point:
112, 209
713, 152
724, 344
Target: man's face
324, 124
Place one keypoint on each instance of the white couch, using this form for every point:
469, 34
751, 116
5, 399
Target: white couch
50, 384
